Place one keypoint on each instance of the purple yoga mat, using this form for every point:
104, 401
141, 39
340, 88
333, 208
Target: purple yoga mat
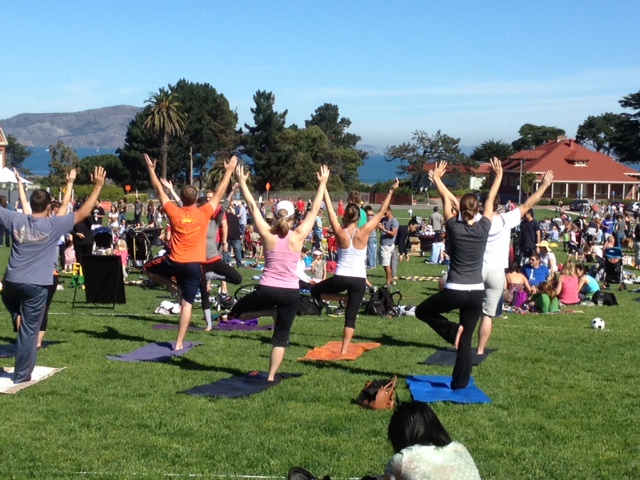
246, 325
154, 352
162, 326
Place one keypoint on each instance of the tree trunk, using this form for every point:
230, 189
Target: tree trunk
164, 153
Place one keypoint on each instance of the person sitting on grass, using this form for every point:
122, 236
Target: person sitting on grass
423, 448
517, 286
545, 300
567, 288
279, 285
587, 285
535, 272
351, 271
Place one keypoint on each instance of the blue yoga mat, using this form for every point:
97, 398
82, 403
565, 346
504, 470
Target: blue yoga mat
154, 352
437, 388
242, 386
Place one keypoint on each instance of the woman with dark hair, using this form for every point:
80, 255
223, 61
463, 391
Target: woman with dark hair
278, 286
467, 233
351, 270
423, 448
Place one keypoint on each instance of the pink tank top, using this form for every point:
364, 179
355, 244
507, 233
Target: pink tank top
569, 293
280, 266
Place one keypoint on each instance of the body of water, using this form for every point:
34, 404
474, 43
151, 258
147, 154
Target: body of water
375, 169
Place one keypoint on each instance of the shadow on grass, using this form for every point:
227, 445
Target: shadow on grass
389, 341
188, 364
351, 368
113, 334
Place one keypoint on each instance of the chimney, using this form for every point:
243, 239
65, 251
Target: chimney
571, 141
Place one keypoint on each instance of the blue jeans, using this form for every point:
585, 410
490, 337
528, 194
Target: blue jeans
30, 301
236, 245
372, 252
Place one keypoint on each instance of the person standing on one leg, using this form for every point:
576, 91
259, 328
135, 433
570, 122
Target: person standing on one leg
389, 229
188, 241
279, 286
351, 271
31, 262
467, 233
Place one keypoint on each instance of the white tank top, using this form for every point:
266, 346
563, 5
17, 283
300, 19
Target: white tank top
351, 261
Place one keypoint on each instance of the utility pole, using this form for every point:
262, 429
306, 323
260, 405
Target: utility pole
190, 165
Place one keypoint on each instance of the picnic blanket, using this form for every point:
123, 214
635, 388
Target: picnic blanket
239, 386
39, 374
154, 352
8, 351
437, 388
331, 351
447, 357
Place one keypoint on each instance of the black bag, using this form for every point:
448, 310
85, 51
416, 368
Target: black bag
383, 303
297, 473
309, 306
607, 298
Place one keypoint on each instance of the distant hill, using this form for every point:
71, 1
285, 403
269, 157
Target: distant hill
100, 127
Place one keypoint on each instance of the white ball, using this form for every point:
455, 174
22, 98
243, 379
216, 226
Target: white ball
597, 323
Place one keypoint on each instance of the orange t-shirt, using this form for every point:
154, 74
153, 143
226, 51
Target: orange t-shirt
188, 231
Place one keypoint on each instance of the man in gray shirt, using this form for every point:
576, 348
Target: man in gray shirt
30, 269
436, 220
388, 231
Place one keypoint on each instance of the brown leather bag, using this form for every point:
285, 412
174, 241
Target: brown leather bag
378, 394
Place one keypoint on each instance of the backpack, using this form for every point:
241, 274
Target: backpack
382, 302
309, 306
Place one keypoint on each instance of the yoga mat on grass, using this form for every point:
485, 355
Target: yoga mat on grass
241, 386
8, 351
437, 388
162, 326
39, 374
245, 325
331, 351
447, 357
154, 352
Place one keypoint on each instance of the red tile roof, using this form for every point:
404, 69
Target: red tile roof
571, 162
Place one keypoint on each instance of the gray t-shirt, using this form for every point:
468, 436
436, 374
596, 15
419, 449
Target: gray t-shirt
35, 246
390, 224
212, 234
436, 220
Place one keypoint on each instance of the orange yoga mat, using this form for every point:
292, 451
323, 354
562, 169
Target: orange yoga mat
331, 351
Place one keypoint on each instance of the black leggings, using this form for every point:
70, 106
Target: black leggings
286, 299
355, 288
219, 268
470, 304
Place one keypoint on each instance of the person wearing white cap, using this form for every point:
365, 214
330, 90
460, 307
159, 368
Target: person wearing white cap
351, 271
279, 285
547, 257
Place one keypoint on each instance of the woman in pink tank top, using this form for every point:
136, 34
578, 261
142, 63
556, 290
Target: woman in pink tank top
282, 246
351, 272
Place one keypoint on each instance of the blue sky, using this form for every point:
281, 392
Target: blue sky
475, 70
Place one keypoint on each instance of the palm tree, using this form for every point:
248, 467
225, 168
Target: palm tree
166, 119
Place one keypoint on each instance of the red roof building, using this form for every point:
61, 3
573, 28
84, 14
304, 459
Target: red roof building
578, 172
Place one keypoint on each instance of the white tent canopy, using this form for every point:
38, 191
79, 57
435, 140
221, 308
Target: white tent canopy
8, 176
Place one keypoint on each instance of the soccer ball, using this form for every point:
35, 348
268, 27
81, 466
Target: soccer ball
597, 323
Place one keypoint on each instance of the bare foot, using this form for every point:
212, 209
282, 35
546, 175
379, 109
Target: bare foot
458, 335
208, 329
180, 347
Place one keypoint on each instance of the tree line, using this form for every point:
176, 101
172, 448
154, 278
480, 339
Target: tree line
191, 128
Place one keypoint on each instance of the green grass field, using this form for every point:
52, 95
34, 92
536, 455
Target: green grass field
565, 396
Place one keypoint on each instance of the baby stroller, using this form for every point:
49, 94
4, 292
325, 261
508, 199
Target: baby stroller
613, 267
103, 239
139, 247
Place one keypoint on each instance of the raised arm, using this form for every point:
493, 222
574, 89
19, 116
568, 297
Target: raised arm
229, 167
260, 223
435, 176
169, 186
26, 207
333, 219
307, 224
151, 168
71, 177
496, 165
99, 176
533, 199
374, 221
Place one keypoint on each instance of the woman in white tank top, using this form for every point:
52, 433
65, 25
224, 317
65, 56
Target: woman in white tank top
351, 271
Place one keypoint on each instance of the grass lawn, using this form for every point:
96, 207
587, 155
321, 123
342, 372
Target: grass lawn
565, 396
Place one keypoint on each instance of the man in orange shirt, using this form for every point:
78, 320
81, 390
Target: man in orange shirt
188, 241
